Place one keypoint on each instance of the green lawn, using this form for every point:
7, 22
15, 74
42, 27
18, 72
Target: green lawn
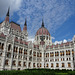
38, 72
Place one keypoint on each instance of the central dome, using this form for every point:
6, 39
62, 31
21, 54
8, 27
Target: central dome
43, 36
42, 30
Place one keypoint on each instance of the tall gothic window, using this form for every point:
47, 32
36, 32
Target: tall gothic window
9, 47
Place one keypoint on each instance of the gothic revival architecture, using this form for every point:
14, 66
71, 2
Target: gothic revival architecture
16, 53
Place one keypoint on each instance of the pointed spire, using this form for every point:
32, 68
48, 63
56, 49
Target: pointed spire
8, 12
42, 23
25, 23
25, 26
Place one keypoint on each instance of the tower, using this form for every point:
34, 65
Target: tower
5, 28
25, 30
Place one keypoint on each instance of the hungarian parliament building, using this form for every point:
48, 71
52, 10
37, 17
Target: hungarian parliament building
17, 53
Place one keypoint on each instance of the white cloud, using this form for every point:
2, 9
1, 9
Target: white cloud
64, 41
52, 38
31, 39
59, 42
13, 4
54, 12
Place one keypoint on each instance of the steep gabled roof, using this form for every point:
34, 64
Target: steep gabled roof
2, 35
15, 26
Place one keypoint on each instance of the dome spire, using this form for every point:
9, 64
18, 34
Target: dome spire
42, 23
8, 12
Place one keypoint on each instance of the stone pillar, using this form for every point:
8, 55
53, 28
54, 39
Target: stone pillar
54, 60
65, 59
4, 54
17, 60
59, 61
42, 56
22, 58
12, 45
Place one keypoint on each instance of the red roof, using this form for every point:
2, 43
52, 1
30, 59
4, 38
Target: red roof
56, 45
61, 44
2, 35
67, 43
26, 43
36, 46
15, 26
43, 31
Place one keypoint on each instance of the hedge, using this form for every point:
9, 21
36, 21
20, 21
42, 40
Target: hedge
38, 72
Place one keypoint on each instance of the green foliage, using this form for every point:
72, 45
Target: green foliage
38, 72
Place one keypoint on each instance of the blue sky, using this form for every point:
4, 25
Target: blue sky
58, 16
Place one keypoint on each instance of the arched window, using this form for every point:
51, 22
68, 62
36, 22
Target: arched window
19, 63
29, 64
47, 65
72, 52
16, 37
0, 54
57, 64
9, 47
63, 65
51, 64
46, 37
69, 64
14, 63
9, 55
67, 59
30, 52
2, 46
33, 64
24, 64
6, 62
40, 64
68, 52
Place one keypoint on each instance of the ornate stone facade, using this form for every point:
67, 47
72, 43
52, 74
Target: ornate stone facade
16, 53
